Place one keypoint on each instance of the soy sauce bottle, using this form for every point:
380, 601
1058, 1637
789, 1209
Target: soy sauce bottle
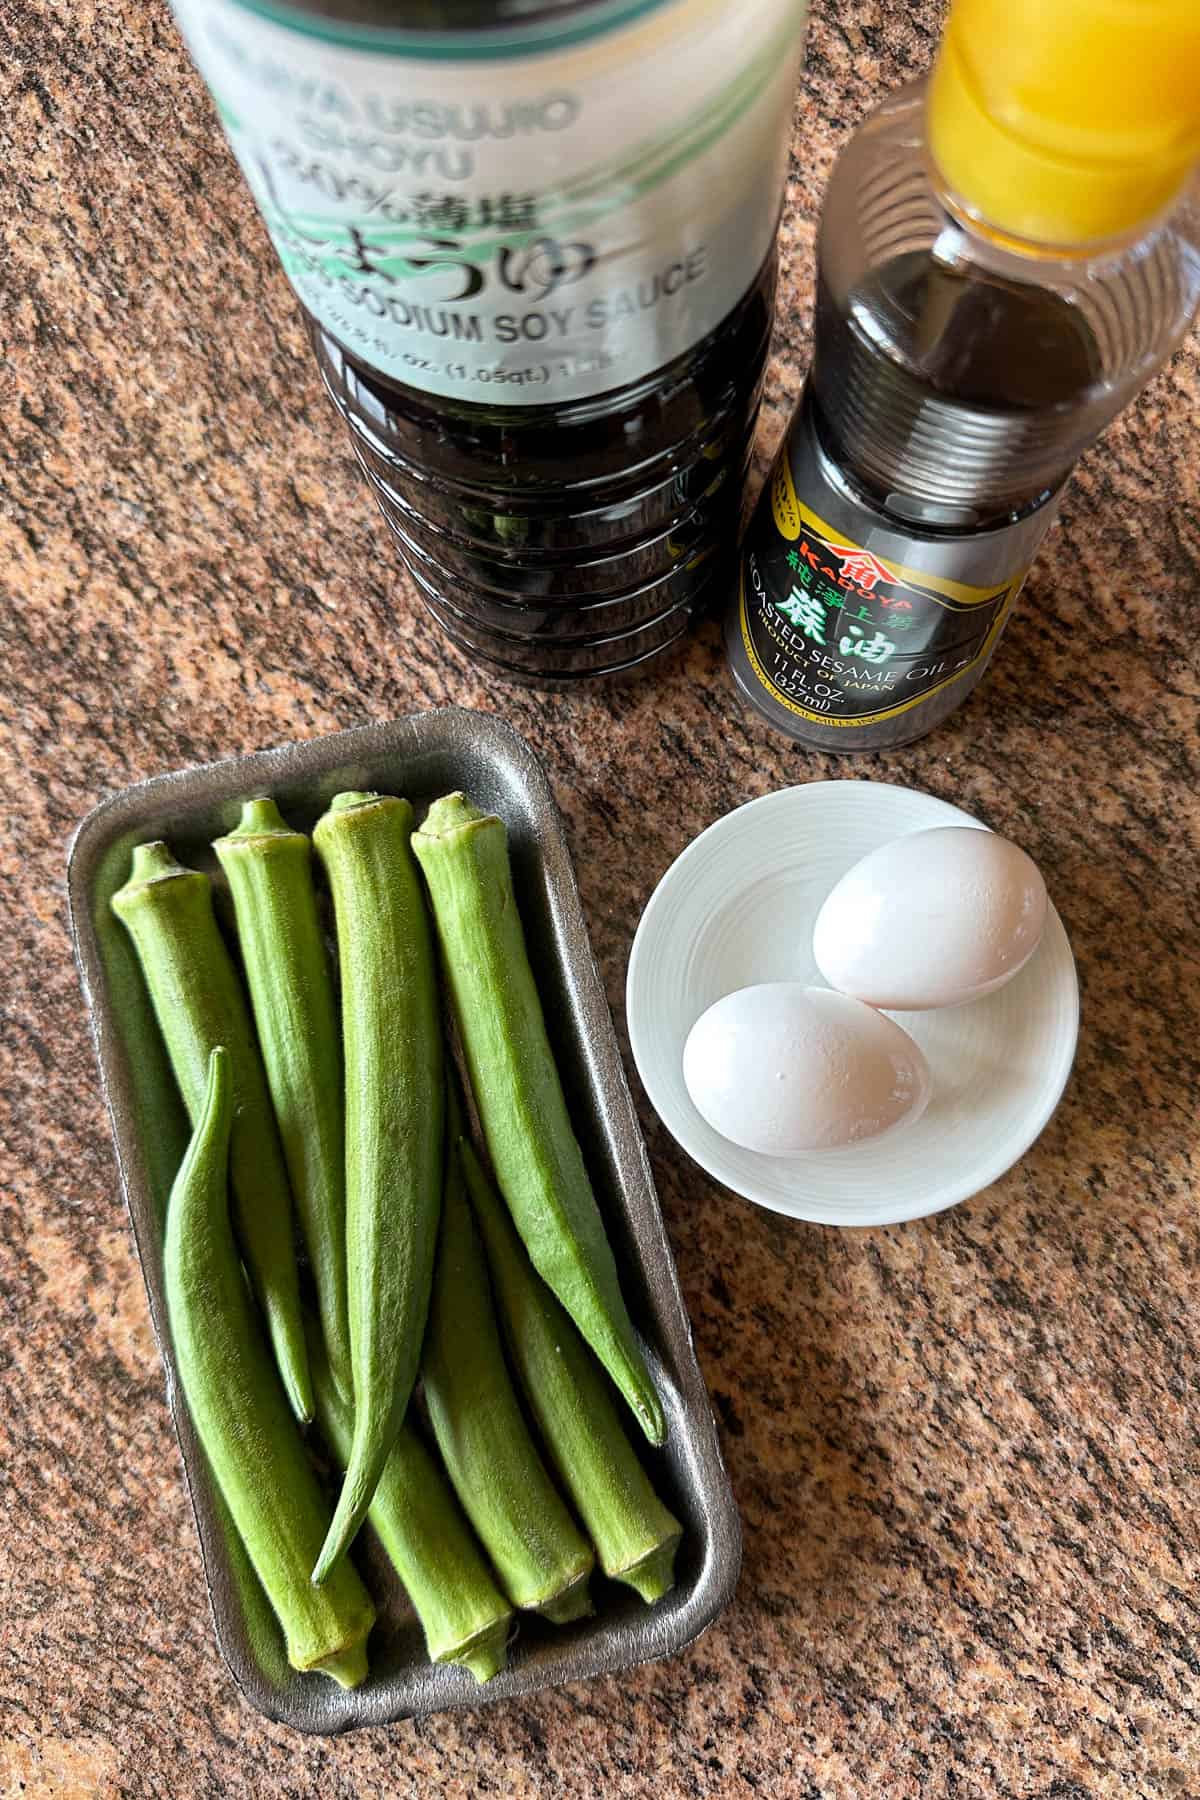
535, 244
1007, 253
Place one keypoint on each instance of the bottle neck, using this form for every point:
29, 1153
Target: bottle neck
967, 225
949, 393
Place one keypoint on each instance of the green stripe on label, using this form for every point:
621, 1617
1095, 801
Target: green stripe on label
458, 46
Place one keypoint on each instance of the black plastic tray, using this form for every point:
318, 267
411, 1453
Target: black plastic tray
420, 757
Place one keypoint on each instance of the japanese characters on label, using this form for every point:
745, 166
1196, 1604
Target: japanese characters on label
838, 635
516, 227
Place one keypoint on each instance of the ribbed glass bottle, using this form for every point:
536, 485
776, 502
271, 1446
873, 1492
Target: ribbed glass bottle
536, 247
957, 376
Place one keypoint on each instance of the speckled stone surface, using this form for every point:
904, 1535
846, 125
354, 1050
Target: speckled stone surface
966, 1451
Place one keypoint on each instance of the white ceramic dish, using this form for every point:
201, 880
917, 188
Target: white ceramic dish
738, 907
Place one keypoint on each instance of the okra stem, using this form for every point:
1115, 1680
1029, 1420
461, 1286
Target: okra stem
239, 1411
269, 869
537, 1159
198, 1002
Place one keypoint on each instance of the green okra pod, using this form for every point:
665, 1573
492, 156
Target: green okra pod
539, 1165
420, 1524
635, 1535
539, 1553
198, 1002
392, 1052
238, 1407
269, 870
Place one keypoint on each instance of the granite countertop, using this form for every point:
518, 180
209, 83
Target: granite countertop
966, 1450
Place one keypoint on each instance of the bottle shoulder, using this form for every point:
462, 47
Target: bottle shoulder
939, 292
958, 375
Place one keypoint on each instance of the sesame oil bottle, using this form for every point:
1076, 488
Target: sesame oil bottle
1007, 253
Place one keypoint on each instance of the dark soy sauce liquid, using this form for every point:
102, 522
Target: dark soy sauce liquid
559, 542
950, 394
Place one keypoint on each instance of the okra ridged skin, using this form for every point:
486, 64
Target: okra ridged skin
539, 1553
392, 1057
269, 870
539, 1165
420, 1524
636, 1537
240, 1413
199, 1003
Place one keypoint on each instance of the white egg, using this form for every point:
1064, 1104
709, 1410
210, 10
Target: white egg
783, 1068
932, 919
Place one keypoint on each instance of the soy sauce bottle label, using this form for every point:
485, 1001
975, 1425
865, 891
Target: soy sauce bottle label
839, 635
522, 215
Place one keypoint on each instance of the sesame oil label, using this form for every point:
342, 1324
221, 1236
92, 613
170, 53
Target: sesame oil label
840, 636
517, 217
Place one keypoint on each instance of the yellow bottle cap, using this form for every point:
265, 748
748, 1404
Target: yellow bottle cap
1065, 122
